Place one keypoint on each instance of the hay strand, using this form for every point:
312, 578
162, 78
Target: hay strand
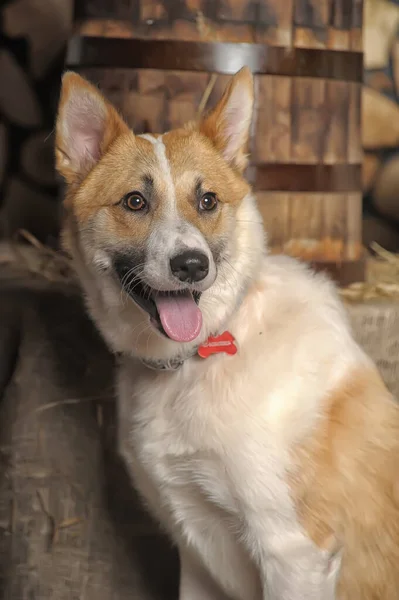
207, 33
36, 259
382, 279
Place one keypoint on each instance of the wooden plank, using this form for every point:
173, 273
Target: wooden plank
152, 11
339, 39
232, 10
274, 24
166, 99
113, 9
325, 227
341, 14
357, 14
353, 245
357, 24
274, 208
355, 148
113, 83
356, 40
313, 227
340, 24
272, 141
184, 92
304, 225
295, 177
308, 118
337, 102
139, 95
236, 32
106, 28
313, 14
151, 81
311, 19
145, 114
334, 226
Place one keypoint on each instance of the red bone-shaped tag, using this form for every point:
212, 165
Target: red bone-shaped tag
221, 343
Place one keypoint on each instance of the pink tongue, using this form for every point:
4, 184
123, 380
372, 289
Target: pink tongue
180, 316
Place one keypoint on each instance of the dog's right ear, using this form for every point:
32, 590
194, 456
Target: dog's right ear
228, 124
86, 126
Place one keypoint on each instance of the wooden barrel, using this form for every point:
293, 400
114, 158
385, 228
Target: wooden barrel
161, 61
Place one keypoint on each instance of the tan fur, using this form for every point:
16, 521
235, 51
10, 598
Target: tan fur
213, 126
115, 125
114, 176
345, 485
191, 148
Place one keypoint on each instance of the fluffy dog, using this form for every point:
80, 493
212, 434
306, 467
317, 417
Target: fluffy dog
256, 429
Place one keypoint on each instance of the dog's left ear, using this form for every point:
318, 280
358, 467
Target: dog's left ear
228, 124
86, 126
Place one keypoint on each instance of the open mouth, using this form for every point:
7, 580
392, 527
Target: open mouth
175, 314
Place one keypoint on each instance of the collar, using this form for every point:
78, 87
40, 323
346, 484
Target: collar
224, 343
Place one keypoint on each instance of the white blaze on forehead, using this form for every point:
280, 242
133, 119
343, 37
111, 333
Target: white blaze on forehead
170, 235
160, 153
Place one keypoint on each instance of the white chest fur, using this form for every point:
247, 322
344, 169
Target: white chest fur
214, 476
175, 440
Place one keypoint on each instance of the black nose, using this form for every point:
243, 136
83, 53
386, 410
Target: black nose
190, 266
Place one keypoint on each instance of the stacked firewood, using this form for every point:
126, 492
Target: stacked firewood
33, 34
381, 107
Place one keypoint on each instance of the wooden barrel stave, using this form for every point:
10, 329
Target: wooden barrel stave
309, 126
300, 23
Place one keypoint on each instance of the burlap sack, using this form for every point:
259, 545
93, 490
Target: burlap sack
376, 327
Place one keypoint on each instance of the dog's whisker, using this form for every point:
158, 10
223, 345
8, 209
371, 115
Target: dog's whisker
249, 221
136, 270
136, 279
147, 327
127, 275
140, 325
232, 266
133, 284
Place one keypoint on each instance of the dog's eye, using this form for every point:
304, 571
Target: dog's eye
208, 201
134, 201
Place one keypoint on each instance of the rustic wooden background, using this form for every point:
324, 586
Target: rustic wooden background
298, 120
33, 34
305, 23
381, 123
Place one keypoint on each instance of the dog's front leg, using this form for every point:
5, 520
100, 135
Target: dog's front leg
301, 572
195, 581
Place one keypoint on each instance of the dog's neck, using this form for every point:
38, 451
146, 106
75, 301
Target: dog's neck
219, 344
162, 354
173, 364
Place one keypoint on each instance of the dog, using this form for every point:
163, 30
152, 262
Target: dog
257, 431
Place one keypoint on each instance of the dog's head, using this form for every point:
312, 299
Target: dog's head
163, 229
